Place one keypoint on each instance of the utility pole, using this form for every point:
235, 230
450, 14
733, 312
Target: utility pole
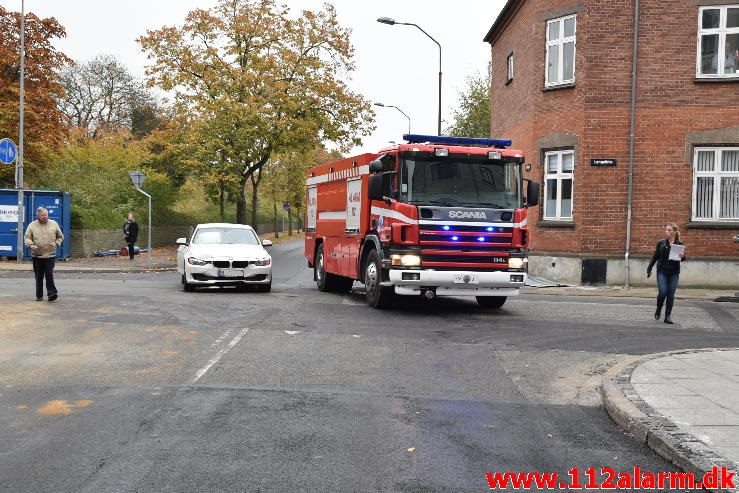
19, 170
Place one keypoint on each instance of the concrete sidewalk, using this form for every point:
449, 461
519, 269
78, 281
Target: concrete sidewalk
683, 404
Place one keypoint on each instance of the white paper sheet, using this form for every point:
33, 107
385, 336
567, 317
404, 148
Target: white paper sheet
675, 251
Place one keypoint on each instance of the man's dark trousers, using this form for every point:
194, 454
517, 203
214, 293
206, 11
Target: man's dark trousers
44, 267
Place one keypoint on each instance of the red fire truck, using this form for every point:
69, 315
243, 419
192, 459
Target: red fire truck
435, 216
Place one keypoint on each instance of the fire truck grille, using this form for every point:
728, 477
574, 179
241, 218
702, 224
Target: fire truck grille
463, 229
492, 259
451, 238
453, 258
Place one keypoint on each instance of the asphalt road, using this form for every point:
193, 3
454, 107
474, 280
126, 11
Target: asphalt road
129, 384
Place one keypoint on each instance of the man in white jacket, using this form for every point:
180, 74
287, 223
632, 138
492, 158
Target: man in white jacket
43, 236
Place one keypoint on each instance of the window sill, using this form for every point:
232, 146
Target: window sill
555, 224
715, 80
713, 225
567, 85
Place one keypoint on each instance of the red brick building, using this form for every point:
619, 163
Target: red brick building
563, 91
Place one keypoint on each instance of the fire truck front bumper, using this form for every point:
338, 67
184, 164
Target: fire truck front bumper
457, 283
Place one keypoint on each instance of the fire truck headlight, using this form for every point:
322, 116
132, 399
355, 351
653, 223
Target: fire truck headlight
405, 260
516, 262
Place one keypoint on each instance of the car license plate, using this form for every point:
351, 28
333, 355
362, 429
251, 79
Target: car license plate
466, 279
230, 273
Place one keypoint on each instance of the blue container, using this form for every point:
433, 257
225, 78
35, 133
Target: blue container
57, 203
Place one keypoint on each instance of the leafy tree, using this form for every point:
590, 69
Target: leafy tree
43, 127
259, 82
101, 94
286, 178
472, 117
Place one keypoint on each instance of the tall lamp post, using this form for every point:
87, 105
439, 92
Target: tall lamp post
392, 22
19, 164
138, 177
403, 112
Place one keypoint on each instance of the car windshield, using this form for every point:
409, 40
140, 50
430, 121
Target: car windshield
460, 183
225, 236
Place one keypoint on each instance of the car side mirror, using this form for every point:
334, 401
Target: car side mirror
266, 243
375, 166
532, 193
181, 241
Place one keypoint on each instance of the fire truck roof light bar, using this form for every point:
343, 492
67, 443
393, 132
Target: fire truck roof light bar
461, 141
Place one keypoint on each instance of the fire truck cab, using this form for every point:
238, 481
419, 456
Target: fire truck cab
435, 216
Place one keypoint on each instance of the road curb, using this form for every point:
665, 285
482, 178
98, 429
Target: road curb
94, 270
648, 427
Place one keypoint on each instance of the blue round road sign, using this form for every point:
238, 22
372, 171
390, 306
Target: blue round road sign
8, 151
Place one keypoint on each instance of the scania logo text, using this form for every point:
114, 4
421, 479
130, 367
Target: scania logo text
467, 215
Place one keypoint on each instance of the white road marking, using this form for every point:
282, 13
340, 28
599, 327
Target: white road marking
220, 339
219, 355
292, 332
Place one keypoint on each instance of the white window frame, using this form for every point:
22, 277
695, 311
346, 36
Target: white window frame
560, 176
722, 31
717, 174
509, 65
558, 44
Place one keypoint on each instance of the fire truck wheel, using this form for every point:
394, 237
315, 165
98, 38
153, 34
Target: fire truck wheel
491, 301
377, 296
329, 282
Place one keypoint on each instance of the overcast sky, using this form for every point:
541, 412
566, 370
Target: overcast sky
395, 65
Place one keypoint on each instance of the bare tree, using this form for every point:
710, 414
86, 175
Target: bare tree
101, 94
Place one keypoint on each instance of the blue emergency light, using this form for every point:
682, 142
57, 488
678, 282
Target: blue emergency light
456, 141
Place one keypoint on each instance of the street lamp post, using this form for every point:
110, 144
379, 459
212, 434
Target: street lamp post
392, 22
138, 177
403, 112
19, 163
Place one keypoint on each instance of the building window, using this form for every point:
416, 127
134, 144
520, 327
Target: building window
510, 68
716, 184
559, 167
718, 41
560, 58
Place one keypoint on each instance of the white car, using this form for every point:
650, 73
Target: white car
222, 254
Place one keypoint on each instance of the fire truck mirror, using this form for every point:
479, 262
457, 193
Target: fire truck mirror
375, 186
532, 193
375, 166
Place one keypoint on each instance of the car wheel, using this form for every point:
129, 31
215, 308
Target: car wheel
491, 301
264, 288
329, 282
377, 296
186, 285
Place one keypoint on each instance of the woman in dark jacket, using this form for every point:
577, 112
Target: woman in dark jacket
668, 271
131, 230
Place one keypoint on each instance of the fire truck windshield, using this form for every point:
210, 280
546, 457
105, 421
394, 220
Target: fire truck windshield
453, 182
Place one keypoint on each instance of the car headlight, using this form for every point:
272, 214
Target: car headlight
517, 262
197, 261
263, 262
405, 260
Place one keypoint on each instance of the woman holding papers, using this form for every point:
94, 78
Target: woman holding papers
668, 255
